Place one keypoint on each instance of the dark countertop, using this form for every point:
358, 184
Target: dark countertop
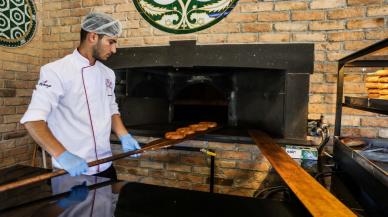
106, 197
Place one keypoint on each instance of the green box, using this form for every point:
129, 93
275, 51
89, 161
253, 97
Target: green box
302, 152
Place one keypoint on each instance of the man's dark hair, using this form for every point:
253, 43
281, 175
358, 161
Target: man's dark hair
84, 33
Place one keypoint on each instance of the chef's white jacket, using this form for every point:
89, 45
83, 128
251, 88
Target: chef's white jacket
75, 115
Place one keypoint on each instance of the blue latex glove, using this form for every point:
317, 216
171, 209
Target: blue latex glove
77, 194
129, 144
73, 164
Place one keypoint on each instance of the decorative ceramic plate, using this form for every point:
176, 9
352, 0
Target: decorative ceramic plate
17, 22
184, 16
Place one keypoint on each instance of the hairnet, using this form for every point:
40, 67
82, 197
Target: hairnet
101, 23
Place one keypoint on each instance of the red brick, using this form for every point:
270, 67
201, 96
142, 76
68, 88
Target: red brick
363, 2
336, 55
351, 132
256, 27
222, 28
153, 165
345, 36
126, 7
51, 6
315, 98
294, 27
323, 4
178, 167
192, 178
273, 16
344, 13
330, 99
201, 170
377, 35
7, 74
365, 23
70, 5
247, 8
7, 127
6, 110
177, 184
307, 15
377, 11
225, 163
88, 3
199, 187
265, 6
194, 159
115, 1
242, 38
12, 118
78, 12
374, 122
152, 181
316, 78
323, 88
357, 45
328, 25
14, 66
241, 18
212, 39
320, 56
328, 46
290, 5
321, 108
258, 166
235, 155
350, 111
309, 36
274, 37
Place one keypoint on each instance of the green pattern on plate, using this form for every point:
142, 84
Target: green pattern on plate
17, 22
184, 16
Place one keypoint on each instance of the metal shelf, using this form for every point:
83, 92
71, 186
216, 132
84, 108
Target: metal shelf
360, 59
379, 106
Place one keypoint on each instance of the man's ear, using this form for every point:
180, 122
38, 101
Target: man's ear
92, 37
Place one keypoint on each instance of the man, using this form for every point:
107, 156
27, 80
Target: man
73, 108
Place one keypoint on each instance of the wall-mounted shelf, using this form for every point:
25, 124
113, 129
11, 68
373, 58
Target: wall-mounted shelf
379, 106
361, 58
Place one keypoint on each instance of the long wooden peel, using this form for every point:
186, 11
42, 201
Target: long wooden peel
154, 145
317, 200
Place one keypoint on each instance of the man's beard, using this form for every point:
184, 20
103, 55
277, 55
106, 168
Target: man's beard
96, 53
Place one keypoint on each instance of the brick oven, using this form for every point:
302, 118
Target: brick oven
256, 86
259, 86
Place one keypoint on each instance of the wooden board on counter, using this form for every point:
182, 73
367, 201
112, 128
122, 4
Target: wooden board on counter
317, 200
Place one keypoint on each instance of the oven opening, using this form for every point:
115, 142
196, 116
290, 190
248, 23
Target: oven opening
200, 102
240, 86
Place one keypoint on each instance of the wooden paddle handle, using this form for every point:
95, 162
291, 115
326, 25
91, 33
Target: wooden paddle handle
154, 145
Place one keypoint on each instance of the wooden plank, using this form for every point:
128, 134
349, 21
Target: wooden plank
317, 200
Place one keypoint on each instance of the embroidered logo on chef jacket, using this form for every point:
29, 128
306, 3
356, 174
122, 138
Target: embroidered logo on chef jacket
109, 86
44, 84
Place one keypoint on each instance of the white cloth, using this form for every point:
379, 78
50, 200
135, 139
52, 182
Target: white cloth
60, 100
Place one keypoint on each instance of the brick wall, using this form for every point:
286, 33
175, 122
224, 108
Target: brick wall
336, 27
19, 68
